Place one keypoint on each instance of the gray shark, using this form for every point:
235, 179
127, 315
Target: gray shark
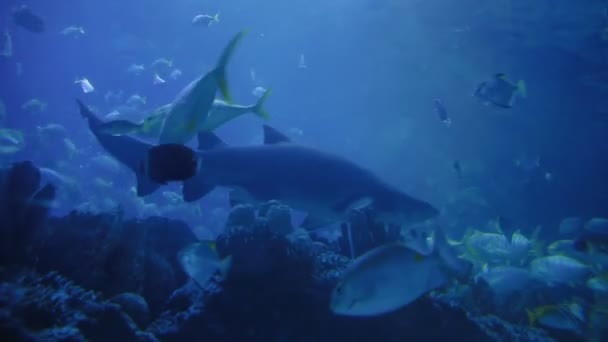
324, 185
127, 150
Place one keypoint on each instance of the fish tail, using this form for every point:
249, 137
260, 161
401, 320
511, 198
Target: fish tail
531, 317
522, 90
259, 106
216, 17
220, 69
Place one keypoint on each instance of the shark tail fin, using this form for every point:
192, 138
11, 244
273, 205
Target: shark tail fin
259, 106
220, 69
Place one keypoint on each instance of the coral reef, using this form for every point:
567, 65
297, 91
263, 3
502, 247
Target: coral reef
277, 290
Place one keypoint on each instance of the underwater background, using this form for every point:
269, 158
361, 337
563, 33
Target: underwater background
357, 78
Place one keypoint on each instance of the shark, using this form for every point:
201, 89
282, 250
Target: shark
326, 186
127, 150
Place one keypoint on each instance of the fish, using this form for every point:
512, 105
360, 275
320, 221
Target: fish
157, 80
129, 151
302, 62
136, 69
591, 243
385, 279
320, 183
442, 112
205, 19
75, 31
597, 225
193, 103
559, 269
136, 100
119, 127
24, 17
505, 280
565, 316
222, 112
201, 262
7, 49
175, 74
599, 284
86, 85
170, 162
168, 63
258, 91
499, 91
11, 141
34, 104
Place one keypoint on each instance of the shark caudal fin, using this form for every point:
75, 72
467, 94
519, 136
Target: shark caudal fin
220, 69
259, 109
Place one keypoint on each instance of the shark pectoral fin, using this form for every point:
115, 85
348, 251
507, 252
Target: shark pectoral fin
353, 203
272, 136
313, 223
209, 141
145, 186
195, 188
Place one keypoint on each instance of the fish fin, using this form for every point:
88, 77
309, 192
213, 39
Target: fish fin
522, 90
220, 69
313, 223
86, 113
531, 317
225, 266
259, 106
352, 203
272, 136
209, 141
195, 188
145, 186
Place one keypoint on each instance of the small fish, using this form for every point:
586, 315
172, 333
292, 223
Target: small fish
499, 91
201, 262
170, 162
119, 127
252, 74
599, 284
157, 80
259, 91
75, 31
385, 279
86, 86
528, 163
566, 316
442, 112
175, 74
162, 62
559, 269
302, 62
597, 225
205, 19
136, 69
7, 50
24, 17
136, 99
34, 105
504, 280
11, 141
457, 168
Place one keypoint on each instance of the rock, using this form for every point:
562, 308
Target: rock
135, 306
241, 217
278, 219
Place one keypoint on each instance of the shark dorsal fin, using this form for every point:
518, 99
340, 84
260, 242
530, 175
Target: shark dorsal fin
209, 141
272, 136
